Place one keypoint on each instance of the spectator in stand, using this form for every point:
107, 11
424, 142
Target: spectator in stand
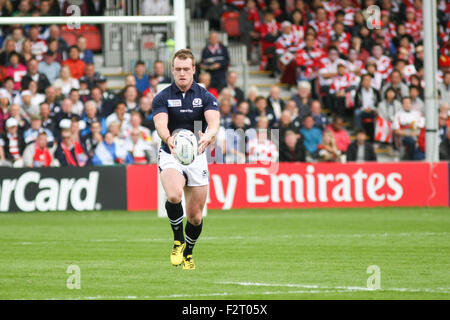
303, 98
36, 97
365, 109
119, 115
407, 124
285, 124
274, 101
31, 134
16, 112
253, 92
205, 79
7, 90
417, 103
328, 150
96, 7
131, 97
52, 99
16, 70
322, 26
145, 109
269, 33
383, 62
17, 36
308, 60
38, 46
328, 71
61, 44
49, 67
140, 74
90, 116
340, 38
320, 118
236, 92
109, 152
27, 109
249, 25
396, 82
65, 82
225, 109
235, 140
104, 107
91, 77
361, 150
215, 59
286, 46
12, 144
70, 153
260, 148
93, 138
33, 74
6, 52
136, 123
85, 54
138, 149
77, 104
444, 148
38, 154
443, 119
312, 136
262, 110
444, 88
159, 72
244, 108
389, 106
47, 120
341, 90
65, 113
292, 148
60, 56
377, 79
340, 135
74, 62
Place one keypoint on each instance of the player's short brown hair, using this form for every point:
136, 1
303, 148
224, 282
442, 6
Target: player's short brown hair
184, 54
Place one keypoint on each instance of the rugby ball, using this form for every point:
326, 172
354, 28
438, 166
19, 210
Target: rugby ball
185, 147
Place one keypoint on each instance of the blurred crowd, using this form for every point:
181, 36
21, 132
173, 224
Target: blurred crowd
353, 75
353, 86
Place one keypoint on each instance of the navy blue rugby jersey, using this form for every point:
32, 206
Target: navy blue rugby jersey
183, 111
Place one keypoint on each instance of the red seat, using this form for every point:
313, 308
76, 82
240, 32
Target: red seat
230, 23
93, 40
70, 37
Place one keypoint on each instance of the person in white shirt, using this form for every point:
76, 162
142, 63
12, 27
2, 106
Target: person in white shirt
155, 7
407, 124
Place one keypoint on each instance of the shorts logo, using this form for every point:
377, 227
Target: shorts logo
174, 103
197, 103
204, 173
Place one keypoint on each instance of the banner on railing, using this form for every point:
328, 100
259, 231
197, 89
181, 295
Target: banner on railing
291, 185
61, 189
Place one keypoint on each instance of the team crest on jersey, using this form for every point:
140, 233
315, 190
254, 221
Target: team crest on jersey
174, 103
197, 102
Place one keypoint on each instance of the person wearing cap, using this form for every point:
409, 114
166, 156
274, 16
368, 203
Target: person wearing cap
108, 95
30, 135
49, 66
85, 93
12, 144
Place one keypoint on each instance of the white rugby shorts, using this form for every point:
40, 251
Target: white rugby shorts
196, 173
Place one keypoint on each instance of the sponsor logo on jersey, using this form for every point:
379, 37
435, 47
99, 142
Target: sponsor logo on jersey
174, 103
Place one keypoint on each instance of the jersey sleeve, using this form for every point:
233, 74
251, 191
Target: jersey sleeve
210, 102
159, 104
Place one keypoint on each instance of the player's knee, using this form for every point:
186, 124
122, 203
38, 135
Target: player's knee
196, 220
174, 197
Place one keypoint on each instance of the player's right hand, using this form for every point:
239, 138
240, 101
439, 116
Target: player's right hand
170, 142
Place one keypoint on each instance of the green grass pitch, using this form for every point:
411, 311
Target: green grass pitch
242, 254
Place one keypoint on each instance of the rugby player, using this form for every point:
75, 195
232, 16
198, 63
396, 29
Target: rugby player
185, 105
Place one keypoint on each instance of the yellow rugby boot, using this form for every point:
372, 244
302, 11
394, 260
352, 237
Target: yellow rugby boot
176, 257
188, 263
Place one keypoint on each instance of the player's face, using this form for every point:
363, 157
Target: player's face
183, 73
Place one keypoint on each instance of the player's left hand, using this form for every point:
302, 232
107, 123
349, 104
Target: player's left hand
205, 140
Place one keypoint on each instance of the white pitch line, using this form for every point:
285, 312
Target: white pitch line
349, 288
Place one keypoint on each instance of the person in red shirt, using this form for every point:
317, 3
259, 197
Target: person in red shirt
269, 32
322, 27
75, 64
340, 135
